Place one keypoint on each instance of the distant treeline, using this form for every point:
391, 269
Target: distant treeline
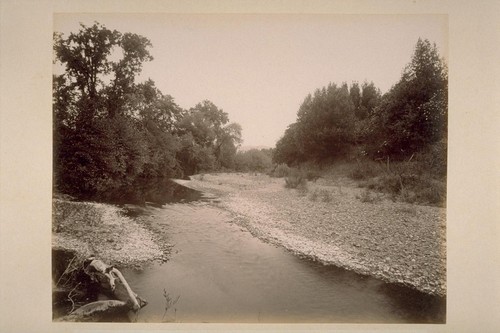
114, 136
339, 122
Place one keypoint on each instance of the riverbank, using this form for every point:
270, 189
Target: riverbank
335, 222
104, 231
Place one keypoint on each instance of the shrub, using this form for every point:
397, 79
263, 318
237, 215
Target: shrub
408, 209
302, 190
281, 170
314, 195
431, 192
312, 175
368, 196
407, 195
295, 179
326, 196
434, 159
364, 169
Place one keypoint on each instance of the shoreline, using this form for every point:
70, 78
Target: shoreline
392, 241
105, 231
395, 242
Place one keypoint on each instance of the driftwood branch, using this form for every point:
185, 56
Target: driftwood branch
112, 282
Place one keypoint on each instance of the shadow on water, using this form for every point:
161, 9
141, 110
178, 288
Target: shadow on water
157, 192
164, 192
170, 192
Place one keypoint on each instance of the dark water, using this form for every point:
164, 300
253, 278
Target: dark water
219, 272
155, 192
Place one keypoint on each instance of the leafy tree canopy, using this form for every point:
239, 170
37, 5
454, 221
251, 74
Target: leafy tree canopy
115, 138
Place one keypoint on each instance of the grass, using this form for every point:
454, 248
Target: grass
364, 170
420, 179
369, 197
308, 171
169, 303
321, 194
408, 209
311, 174
72, 288
409, 181
302, 190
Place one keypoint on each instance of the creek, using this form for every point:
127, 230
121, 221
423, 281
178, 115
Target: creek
219, 272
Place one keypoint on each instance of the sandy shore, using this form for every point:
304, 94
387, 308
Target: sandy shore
329, 222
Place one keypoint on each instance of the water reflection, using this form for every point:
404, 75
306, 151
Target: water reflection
157, 192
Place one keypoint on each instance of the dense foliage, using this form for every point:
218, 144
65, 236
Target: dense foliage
256, 160
341, 121
113, 136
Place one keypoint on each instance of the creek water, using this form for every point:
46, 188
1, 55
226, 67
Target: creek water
219, 272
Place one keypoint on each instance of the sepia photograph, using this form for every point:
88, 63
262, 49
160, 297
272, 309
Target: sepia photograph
247, 165
249, 168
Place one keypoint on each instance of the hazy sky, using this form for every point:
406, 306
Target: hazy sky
259, 68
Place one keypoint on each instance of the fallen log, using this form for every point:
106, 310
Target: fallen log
112, 283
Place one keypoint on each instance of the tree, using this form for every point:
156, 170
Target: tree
288, 148
148, 103
135, 53
109, 133
207, 125
413, 114
253, 160
369, 99
86, 56
355, 94
115, 138
227, 145
324, 127
193, 157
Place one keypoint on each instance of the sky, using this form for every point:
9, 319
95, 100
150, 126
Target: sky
259, 67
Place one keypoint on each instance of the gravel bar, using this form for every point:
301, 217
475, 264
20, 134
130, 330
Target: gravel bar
394, 241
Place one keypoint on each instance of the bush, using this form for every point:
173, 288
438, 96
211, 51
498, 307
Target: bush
325, 195
420, 179
314, 195
312, 175
295, 179
253, 160
368, 196
302, 190
364, 169
434, 159
281, 170
431, 192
